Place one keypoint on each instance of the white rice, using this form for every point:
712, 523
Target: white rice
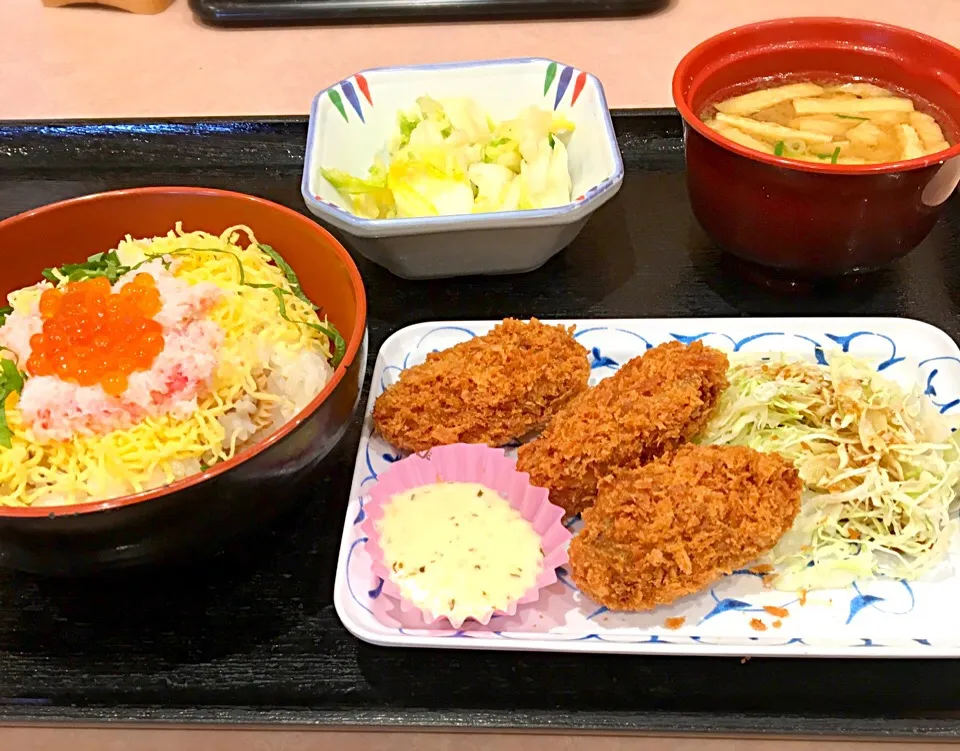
295, 378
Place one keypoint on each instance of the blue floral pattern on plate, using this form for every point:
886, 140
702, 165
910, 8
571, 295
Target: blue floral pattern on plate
890, 618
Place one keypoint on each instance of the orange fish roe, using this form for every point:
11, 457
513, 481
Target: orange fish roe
92, 335
675, 623
757, 625
778, 612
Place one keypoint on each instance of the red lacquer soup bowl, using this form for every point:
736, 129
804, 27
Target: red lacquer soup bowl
810, 218
203, 512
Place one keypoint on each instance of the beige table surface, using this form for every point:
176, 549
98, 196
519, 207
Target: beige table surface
94, 63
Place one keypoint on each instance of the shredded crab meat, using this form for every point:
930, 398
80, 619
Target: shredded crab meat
881, 467
56, 410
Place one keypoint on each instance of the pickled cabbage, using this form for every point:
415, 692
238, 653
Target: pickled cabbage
449, 157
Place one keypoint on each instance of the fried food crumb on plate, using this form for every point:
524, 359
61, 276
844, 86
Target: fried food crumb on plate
491, 389
673, 526
651, 405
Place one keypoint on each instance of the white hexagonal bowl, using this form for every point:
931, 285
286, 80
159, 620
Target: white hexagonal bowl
352, 121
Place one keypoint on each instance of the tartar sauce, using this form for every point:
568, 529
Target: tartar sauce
458, 549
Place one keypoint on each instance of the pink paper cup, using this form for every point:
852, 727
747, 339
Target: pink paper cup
473, 463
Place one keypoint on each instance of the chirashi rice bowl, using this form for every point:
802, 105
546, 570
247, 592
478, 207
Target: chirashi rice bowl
100, 399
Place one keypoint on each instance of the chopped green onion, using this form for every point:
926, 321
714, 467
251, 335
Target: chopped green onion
778, 149
835, 155
851, 117
11, 380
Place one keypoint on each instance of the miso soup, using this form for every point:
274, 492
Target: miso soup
837, 123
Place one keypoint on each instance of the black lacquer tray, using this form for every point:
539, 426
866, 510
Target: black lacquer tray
252, 638
263, 12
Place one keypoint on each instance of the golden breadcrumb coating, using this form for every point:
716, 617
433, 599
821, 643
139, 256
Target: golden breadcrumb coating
651, 405
491, 389
675, 525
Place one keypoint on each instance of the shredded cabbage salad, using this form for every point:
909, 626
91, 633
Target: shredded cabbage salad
881, 467
450, 157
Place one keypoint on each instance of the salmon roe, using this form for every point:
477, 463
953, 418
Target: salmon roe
92, 335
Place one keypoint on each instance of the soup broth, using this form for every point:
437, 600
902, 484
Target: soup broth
846, 122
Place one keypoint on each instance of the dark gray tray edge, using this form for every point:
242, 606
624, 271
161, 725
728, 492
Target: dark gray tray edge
227, 13
652, 723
